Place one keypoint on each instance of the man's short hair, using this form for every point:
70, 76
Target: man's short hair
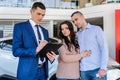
77, 12
38, 4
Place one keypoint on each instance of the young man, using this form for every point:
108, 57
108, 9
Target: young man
91, 37
28, 40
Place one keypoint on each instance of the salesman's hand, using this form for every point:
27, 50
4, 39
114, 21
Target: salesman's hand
41, 45
51, 56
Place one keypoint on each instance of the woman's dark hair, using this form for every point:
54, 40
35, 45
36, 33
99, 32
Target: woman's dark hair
72, 35
38, 4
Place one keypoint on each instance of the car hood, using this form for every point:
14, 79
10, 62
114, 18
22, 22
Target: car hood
6, 58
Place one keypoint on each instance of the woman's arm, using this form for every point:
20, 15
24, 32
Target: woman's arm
66, 57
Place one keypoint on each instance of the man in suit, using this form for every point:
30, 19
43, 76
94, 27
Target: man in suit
26, 46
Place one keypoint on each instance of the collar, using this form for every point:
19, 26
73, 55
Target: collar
87, 27
32, 22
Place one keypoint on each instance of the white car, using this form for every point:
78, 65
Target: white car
8, 63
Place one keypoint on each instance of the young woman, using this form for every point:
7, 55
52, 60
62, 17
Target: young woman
69, 56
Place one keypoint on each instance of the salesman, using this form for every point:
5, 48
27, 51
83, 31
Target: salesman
28, 39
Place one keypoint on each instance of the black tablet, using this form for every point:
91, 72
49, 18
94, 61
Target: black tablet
48, 48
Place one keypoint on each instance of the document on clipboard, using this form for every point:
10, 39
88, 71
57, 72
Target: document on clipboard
48, 48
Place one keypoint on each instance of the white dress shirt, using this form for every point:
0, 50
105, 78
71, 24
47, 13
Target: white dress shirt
36, 35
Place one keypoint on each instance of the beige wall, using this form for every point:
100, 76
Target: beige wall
94, 2
82, 3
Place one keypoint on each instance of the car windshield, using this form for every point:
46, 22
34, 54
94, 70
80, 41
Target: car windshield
6, 45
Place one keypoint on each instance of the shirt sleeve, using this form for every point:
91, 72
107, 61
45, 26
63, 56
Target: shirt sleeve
103, 48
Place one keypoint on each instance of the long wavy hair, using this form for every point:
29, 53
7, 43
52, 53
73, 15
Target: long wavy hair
72, 36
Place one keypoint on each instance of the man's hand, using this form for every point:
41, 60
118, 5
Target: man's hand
51, 56
41, 45
102, 73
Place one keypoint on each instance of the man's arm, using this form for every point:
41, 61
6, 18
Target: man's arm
18, 46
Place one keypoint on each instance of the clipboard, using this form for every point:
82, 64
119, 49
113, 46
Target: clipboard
48, 48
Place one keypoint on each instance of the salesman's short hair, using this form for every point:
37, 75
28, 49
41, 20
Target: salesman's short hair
38, 4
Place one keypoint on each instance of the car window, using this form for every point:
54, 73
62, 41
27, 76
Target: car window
52, 40
114, 67
6, 45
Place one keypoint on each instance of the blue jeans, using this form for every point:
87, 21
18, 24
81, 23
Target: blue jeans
66, 79
91, 75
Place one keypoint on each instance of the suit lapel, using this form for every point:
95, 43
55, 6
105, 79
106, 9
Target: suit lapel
30, 29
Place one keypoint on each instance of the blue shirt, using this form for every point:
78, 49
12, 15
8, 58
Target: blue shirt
92, 38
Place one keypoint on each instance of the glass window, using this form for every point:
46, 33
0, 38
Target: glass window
22, 3
57, 3
6, 27
1, 33
69, 4
49, 3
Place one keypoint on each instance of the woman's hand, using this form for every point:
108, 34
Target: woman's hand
85, 53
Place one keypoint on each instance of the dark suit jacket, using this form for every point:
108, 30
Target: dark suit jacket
24, 47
